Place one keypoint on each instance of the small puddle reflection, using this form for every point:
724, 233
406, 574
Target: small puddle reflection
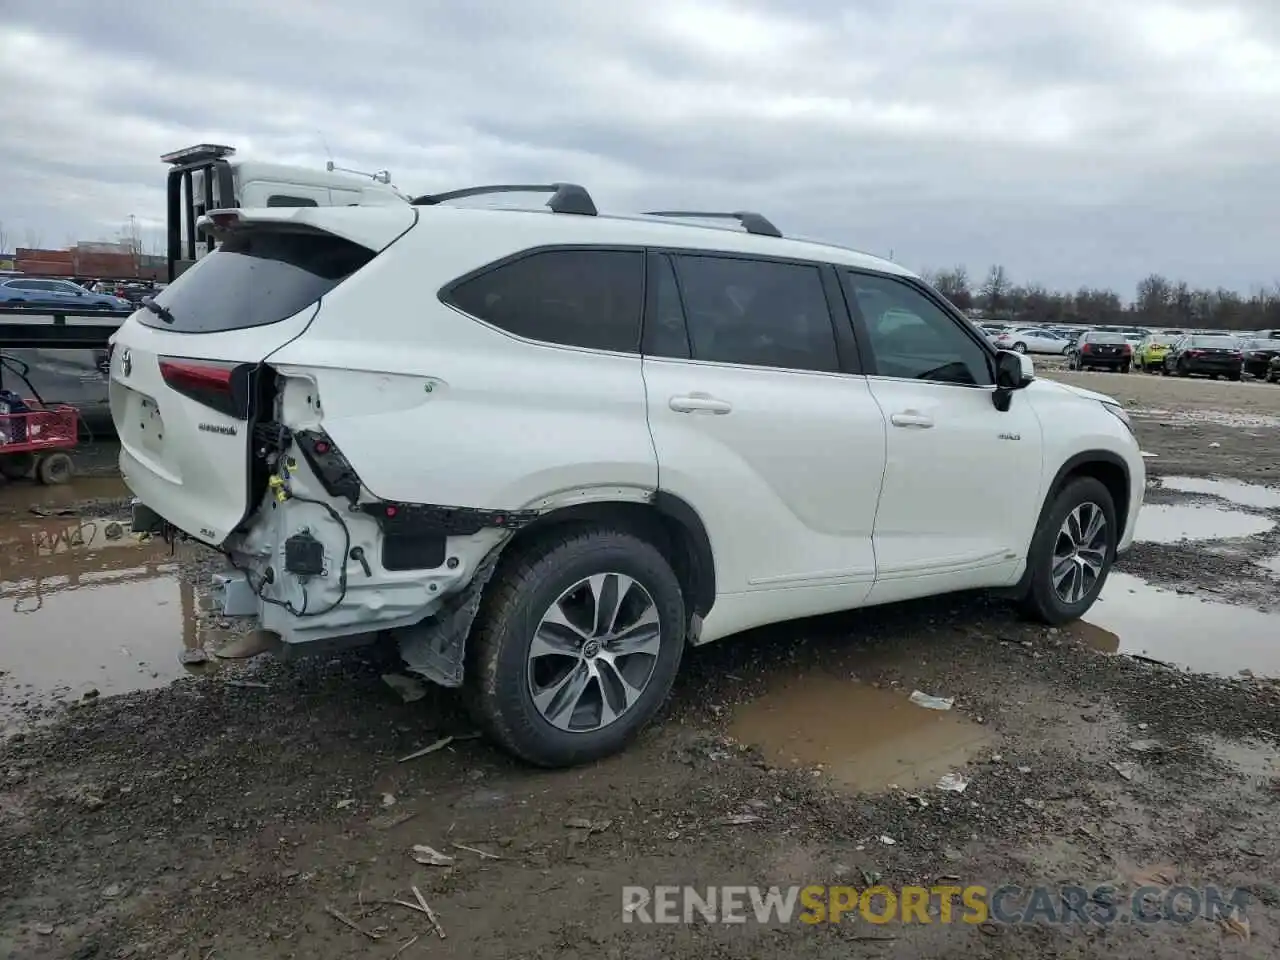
1133, 617
1173, 523
1236, 491
865, 738
83, 604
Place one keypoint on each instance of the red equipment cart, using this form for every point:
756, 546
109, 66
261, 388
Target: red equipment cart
35, 435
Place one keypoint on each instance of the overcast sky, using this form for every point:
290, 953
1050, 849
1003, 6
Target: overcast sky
1074, 141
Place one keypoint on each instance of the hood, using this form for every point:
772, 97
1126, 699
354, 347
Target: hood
1079, 392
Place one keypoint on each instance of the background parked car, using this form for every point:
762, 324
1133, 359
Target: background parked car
1210, 356
1100, 349
1258, 354
1032, 340
1149, 354
53, 294
1273, 371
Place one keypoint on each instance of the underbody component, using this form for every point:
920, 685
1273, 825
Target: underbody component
436, 648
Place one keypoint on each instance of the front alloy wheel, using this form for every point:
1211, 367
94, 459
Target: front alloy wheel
1080, 553
1071, 552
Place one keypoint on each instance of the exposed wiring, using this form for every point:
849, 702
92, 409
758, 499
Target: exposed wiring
258, 587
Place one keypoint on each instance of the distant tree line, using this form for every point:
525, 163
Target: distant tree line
1159, 303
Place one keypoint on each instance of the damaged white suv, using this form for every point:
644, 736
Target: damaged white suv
547, 449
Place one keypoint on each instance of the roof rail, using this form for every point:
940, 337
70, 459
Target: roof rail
565, 197
752, 222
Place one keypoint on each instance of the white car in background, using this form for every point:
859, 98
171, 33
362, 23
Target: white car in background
547, 451
1032, 340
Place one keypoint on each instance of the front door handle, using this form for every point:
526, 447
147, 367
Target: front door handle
699, 403
910, 418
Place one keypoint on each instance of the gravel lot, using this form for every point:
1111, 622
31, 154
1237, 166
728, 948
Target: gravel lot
235, 812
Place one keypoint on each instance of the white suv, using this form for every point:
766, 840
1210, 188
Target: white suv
547, 449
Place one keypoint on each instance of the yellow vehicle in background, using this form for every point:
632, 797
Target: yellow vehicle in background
1149, 354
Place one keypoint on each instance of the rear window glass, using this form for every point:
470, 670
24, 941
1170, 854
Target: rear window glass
1105, 338
1226, 343
257, 278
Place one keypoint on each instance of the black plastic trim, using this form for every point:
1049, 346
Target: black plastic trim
700, 542
331, 468
398, 518
1096, 456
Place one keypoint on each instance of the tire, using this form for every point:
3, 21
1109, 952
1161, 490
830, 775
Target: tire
1071, 364
1235, 377
1019, 347
16, 466
1042, 601
1124, 368
532, 584
1183, 371
54, 469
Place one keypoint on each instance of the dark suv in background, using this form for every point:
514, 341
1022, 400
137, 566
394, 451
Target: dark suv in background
1258, 354
1101, 349
1210, 356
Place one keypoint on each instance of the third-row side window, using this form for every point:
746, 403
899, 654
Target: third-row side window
578, 298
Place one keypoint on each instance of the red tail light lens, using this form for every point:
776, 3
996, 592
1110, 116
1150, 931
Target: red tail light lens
1084, 348
221, 386
1193, 353
1127, 349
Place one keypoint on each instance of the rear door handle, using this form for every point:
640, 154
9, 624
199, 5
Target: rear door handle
910, 418
699, 403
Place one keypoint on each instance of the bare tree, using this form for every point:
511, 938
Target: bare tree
954, 285
33, 237
995, 290
4, 238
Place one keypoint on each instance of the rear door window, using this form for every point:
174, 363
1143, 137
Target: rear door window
257, 277
760, 313
575, 298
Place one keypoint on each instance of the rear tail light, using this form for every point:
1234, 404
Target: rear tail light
225, 387
1193, 353
1126, 349
1085, 348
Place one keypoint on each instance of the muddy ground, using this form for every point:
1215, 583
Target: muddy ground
233, 809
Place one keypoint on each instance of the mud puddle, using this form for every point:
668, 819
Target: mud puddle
85, 606
1173, 523
863, 737
1133, 617
1236, 491
34, 499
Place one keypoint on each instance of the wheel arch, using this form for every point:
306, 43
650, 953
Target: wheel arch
667, 521
1107, 468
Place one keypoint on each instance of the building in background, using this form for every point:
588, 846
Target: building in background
90, 259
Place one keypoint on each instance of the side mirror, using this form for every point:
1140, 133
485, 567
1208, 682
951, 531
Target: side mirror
1013, 372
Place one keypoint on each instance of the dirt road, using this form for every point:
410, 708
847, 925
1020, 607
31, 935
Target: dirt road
262, 809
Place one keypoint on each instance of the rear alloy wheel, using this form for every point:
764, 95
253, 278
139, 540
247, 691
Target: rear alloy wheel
576, 647
1071, 553
1020, 347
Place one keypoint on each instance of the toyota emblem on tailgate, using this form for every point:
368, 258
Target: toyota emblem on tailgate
126, 362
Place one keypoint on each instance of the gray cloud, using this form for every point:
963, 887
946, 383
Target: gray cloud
1081, 143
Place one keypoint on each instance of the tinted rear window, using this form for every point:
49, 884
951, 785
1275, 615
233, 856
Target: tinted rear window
1221, 343
257, 278
1105, 338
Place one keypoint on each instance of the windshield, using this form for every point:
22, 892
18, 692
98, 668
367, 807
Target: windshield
1261, 343
1163, 341
1220, 343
